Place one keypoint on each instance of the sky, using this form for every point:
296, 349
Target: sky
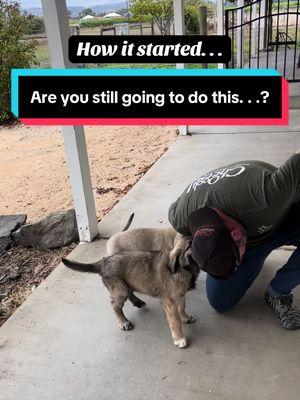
84, 3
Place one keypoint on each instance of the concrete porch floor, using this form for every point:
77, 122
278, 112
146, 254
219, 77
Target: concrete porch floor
63, 342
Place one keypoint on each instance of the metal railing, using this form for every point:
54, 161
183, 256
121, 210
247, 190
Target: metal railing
265, 34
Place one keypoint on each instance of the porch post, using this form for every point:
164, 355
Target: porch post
220, 23
58, 32
262, 25
239, 36
253, 35
179, 29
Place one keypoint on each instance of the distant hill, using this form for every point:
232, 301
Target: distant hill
34, 11
108, 7
98, 9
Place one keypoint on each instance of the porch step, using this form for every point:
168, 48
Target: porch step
294, 125
294, 95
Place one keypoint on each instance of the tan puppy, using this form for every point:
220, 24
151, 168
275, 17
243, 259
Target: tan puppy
150, 239
142, 239
147, 239
148, 273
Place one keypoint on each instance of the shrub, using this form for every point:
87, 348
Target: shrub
161, 11
191, 16
86, 11
14, 52
94, 23
36, 25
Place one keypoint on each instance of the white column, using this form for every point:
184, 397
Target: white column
179, 29
58, 32
239, 36
179, 24
220, 23
262, 25
253, 33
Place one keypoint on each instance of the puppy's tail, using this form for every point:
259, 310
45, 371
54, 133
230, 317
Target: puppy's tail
91, 268
128, 223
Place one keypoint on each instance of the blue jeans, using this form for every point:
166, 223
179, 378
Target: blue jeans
224, 294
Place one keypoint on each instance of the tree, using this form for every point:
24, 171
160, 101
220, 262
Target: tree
191, 15
122, 11
86, 11
161, 12
36, 25
14, 52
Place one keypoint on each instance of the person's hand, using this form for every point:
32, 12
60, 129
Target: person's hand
298, 152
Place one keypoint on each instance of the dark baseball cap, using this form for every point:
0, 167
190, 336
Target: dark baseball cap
213, 248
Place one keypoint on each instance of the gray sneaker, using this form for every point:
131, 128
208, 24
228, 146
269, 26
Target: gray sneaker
288, 315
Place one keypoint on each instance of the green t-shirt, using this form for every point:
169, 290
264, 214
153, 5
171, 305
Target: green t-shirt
255, 193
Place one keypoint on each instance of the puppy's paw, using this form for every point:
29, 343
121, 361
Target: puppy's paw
181, 343
189, 319
126, 326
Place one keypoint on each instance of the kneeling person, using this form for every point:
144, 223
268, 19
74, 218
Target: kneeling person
237, 216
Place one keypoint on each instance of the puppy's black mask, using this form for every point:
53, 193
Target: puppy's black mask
194, 269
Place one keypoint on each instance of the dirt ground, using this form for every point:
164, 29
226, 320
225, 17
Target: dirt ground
34, 180
21, 271
33, 170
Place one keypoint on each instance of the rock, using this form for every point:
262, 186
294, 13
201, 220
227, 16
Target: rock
8, 224
58, 229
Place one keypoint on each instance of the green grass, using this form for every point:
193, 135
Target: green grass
42, 56
43, 59
89, 31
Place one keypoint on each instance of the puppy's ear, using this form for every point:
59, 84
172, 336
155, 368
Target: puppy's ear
174, 264
188, 244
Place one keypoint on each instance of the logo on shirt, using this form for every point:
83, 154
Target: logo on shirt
213, 177
264, 228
